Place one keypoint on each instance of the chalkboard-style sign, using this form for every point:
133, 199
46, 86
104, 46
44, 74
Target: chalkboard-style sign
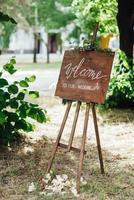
84, 76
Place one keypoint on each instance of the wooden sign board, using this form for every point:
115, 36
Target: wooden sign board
84, 76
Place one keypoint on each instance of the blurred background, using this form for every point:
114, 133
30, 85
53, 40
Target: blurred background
44, 29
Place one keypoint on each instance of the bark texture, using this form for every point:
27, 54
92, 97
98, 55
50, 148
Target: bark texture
125, 19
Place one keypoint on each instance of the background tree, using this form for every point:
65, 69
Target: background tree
104, 12
14, 9
53, 15
125, 20
89, 13
7, 24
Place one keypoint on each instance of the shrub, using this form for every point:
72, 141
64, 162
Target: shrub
14, 109
121, 87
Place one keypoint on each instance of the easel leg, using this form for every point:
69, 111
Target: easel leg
97, 138
59, 136
83, 146
74, 125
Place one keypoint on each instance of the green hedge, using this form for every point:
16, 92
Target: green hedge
121, 87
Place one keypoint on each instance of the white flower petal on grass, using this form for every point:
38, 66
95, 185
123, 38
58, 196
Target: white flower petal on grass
65, 177
74, 191
81, 179
60, 184
48, 176
67, 183
84, 182
31, 187
43, 193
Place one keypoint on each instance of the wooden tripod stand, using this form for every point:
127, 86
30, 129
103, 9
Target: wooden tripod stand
83, 142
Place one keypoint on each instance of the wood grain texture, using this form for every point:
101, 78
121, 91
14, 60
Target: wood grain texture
84, 76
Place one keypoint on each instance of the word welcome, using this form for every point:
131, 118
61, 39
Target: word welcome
76, 72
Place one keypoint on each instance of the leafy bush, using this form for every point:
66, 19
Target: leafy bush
14, 110
121, 88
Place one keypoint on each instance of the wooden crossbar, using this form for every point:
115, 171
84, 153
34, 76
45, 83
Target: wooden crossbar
65, 146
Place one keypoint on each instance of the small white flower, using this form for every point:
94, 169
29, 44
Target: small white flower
46, 181
67, 183
48, 177
31, 187
81, 179
84, 182
74, 191
65, 177
55, 182
43, 193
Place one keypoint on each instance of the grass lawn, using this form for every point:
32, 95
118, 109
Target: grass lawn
18, 169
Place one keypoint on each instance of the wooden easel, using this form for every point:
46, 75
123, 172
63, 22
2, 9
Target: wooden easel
83, 142
84, 136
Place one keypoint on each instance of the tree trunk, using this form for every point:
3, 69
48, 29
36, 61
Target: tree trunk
125, 19
48, 57
35, 48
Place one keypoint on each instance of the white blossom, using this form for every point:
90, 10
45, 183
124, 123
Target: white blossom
31, 187
60, 184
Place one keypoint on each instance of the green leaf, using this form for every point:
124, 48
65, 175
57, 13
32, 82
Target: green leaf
33, 105
12, 117
4, 17
23, 109
6, 95
23, 83
1, 95
41, 116
23, 125
9, 67
32, 112
13, 103
31, 78
13, 61
3, 104
21, 96
13, 89
2, 118
3, 82
34, 94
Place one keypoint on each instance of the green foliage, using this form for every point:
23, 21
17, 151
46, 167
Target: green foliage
7, 25
14, 110
91, 12
4, 17
51, 14
121, 88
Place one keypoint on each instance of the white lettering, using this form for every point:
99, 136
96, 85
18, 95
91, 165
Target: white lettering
76, 72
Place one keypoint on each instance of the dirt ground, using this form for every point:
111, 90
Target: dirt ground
27, 162
116, 127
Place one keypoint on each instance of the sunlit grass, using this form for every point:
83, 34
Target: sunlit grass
19, 169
